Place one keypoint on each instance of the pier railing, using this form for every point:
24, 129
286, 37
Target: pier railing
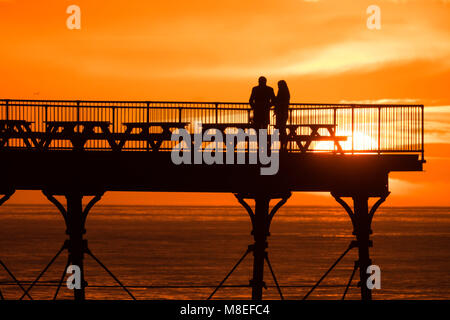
369, 128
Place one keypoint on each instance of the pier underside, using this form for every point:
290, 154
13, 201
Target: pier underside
91, 172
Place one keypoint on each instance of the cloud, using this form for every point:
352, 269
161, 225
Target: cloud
403, 187
381, 101
335, 59
437, 124
365, 50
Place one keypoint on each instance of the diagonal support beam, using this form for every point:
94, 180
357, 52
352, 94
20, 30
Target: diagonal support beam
350, 246
249, 249
110, 273
377, 204
346, 207
90, 204
14, 279
280, 203
247, 207
57, 204
6, 196
274, 277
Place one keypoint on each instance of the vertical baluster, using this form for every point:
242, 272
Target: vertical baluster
353, 129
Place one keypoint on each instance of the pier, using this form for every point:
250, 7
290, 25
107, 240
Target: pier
82, 149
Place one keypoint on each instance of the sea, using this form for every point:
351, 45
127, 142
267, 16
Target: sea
174, 252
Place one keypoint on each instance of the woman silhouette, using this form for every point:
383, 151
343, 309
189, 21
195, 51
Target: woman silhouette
281, 110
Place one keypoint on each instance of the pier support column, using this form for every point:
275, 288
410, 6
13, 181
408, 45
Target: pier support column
260, 234
361, 219
75, 219
77, 245
261, 219
362, 231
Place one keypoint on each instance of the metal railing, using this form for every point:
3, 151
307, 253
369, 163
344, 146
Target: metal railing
378, 129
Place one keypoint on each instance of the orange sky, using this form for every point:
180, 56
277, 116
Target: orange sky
207, 50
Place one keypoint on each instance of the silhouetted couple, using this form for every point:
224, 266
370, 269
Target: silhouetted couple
263, 98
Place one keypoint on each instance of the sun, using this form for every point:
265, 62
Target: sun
361, 142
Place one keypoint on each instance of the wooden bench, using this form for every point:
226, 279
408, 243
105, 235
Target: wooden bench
77, 132
153, 139
17, 129
304, 141
222, 127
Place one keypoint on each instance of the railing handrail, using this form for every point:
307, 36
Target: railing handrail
145, 102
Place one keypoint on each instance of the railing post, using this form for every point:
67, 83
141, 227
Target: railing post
7, 116
113, 119
7, 109
289, 145
179, 114
78, 110
217, 112
379, 130
353, 129
423, 137
148, 120
334, 116
335, 127
46, 113
290, 115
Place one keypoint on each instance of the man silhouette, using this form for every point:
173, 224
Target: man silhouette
261, 99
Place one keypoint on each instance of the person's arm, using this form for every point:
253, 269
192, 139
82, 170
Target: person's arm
252, 99
273, 98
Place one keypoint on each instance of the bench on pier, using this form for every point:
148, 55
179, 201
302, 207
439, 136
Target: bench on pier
17, 129
304, 141
222, 128
77, 132
154, 139
154, 133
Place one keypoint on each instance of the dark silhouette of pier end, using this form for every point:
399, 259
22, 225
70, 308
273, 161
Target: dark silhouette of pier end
79, 149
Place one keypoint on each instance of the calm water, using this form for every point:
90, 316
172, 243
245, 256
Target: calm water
198, 246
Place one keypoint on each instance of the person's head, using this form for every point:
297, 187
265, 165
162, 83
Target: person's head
262, 81
283, 88
282, 85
